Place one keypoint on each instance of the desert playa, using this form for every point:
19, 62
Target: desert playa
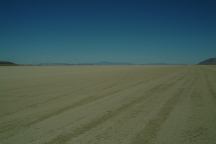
108, 105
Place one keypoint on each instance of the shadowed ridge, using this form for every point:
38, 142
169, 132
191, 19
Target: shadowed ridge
210, 61
7, 63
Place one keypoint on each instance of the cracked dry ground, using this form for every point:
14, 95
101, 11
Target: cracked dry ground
108, 105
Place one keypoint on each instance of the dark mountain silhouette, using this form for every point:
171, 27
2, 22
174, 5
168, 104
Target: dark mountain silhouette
7, 63
210, 61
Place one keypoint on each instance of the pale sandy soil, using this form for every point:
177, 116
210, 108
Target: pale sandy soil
108, 105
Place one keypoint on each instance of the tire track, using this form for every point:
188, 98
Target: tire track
195, 133
198, 123
121, 128
13, 128
60, 84
54, 98
149, 133
112, 85
82, 102
18, 124
58, 96
87, 100
65, 137
209, 84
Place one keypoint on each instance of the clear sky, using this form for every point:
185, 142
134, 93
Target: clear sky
136, 31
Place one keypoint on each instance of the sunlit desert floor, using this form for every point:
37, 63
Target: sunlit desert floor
108, 105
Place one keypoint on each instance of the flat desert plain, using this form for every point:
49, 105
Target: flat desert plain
108, 105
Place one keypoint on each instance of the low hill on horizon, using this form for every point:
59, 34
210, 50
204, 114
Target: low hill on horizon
210, 61
7, 63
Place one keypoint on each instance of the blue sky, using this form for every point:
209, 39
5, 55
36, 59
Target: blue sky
136, 31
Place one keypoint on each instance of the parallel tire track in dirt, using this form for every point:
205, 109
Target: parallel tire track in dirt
149, 133
18, 125
66, 137
118, 105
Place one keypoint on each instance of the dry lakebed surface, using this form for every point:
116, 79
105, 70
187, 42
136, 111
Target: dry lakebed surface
108, 104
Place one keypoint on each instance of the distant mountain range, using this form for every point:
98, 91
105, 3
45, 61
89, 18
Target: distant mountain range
112, 63
97, 63
7, 63
210, 61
